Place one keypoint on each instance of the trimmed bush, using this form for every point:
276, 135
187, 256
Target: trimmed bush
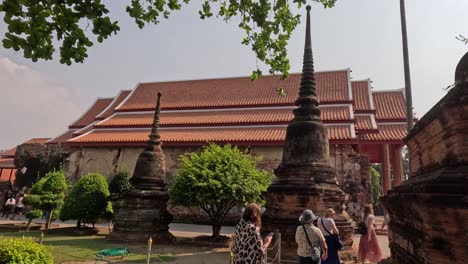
15, 251
119, 186
47, 195
88, 200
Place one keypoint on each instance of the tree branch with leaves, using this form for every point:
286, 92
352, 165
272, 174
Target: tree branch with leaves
39, 27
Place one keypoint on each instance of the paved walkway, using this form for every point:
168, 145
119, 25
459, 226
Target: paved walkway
190, 231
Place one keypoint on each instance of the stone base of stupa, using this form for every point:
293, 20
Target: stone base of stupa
144, 215
296, 190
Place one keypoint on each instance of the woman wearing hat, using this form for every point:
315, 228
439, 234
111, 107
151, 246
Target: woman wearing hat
309, 240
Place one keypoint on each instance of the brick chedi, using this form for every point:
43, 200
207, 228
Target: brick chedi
429, 211
145, 212
305, 178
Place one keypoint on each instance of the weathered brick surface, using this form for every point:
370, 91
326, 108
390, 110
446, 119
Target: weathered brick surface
429, 212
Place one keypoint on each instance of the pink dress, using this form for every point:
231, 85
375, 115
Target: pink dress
370, 249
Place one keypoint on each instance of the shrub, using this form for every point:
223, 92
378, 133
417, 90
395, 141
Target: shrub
47, 195
218, 179
88, 200
119, 186
13, 251
376, 187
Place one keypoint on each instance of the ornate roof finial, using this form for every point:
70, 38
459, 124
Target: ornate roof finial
154, 137
307, 101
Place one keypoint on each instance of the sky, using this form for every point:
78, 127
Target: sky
41, 99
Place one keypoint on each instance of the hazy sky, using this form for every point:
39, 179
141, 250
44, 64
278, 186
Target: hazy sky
42, 99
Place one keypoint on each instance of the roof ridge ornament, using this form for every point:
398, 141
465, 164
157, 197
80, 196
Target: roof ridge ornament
154, 137
307, 101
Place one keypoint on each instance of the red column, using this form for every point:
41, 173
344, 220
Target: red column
385, 168
397, 165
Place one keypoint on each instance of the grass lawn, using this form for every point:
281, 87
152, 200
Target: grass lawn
84, 248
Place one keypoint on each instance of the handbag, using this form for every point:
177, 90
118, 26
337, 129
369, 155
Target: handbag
315, 258
338, 243
362, 228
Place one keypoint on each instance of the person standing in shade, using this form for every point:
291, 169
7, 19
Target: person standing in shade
309, 240
369, 248
327, 226
9, 204
248, 246
19, 206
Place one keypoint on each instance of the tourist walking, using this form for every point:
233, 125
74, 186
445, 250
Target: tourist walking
369, 248
327, 226
248, 246
309, 240
19, 206
9, 204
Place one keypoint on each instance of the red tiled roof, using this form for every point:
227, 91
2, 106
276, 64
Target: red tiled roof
90, 115
201, 135
365, 122
9, 153
62, 138
8, 174
361, 96
332, 87
228, 117
110, 108
7, 163
389, 105
388, 132
36, 141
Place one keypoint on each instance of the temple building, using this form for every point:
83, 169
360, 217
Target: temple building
364, 125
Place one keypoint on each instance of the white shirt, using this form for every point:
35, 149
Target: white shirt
328, 223
10, 201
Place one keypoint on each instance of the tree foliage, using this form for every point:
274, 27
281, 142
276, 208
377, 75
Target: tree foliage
36, 26
217, 179
119, 186
376, 187
88, 200
47, 194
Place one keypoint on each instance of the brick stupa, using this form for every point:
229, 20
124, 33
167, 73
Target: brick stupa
429, 211
145, 213
305, 178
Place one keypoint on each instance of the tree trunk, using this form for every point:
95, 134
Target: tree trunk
216, 231
78, 224
49, 219
29, 224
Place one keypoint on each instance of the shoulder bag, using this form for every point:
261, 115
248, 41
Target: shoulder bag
315, 257
338, 243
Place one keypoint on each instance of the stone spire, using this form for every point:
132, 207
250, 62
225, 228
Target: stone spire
150, 169
305, 178
307, 100
145, 213
306, 141
154, 137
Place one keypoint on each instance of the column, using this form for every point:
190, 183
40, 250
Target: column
385, 167
397, 165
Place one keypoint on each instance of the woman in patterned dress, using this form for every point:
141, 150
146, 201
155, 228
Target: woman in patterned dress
248, 246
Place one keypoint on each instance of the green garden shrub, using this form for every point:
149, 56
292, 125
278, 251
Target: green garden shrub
24, 251
119, 186
88, 200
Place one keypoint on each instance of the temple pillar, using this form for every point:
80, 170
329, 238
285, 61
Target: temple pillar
397, 165
385, 168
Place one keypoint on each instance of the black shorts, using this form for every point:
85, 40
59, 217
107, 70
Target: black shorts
18, 210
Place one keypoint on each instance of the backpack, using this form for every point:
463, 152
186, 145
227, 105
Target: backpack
362, 228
